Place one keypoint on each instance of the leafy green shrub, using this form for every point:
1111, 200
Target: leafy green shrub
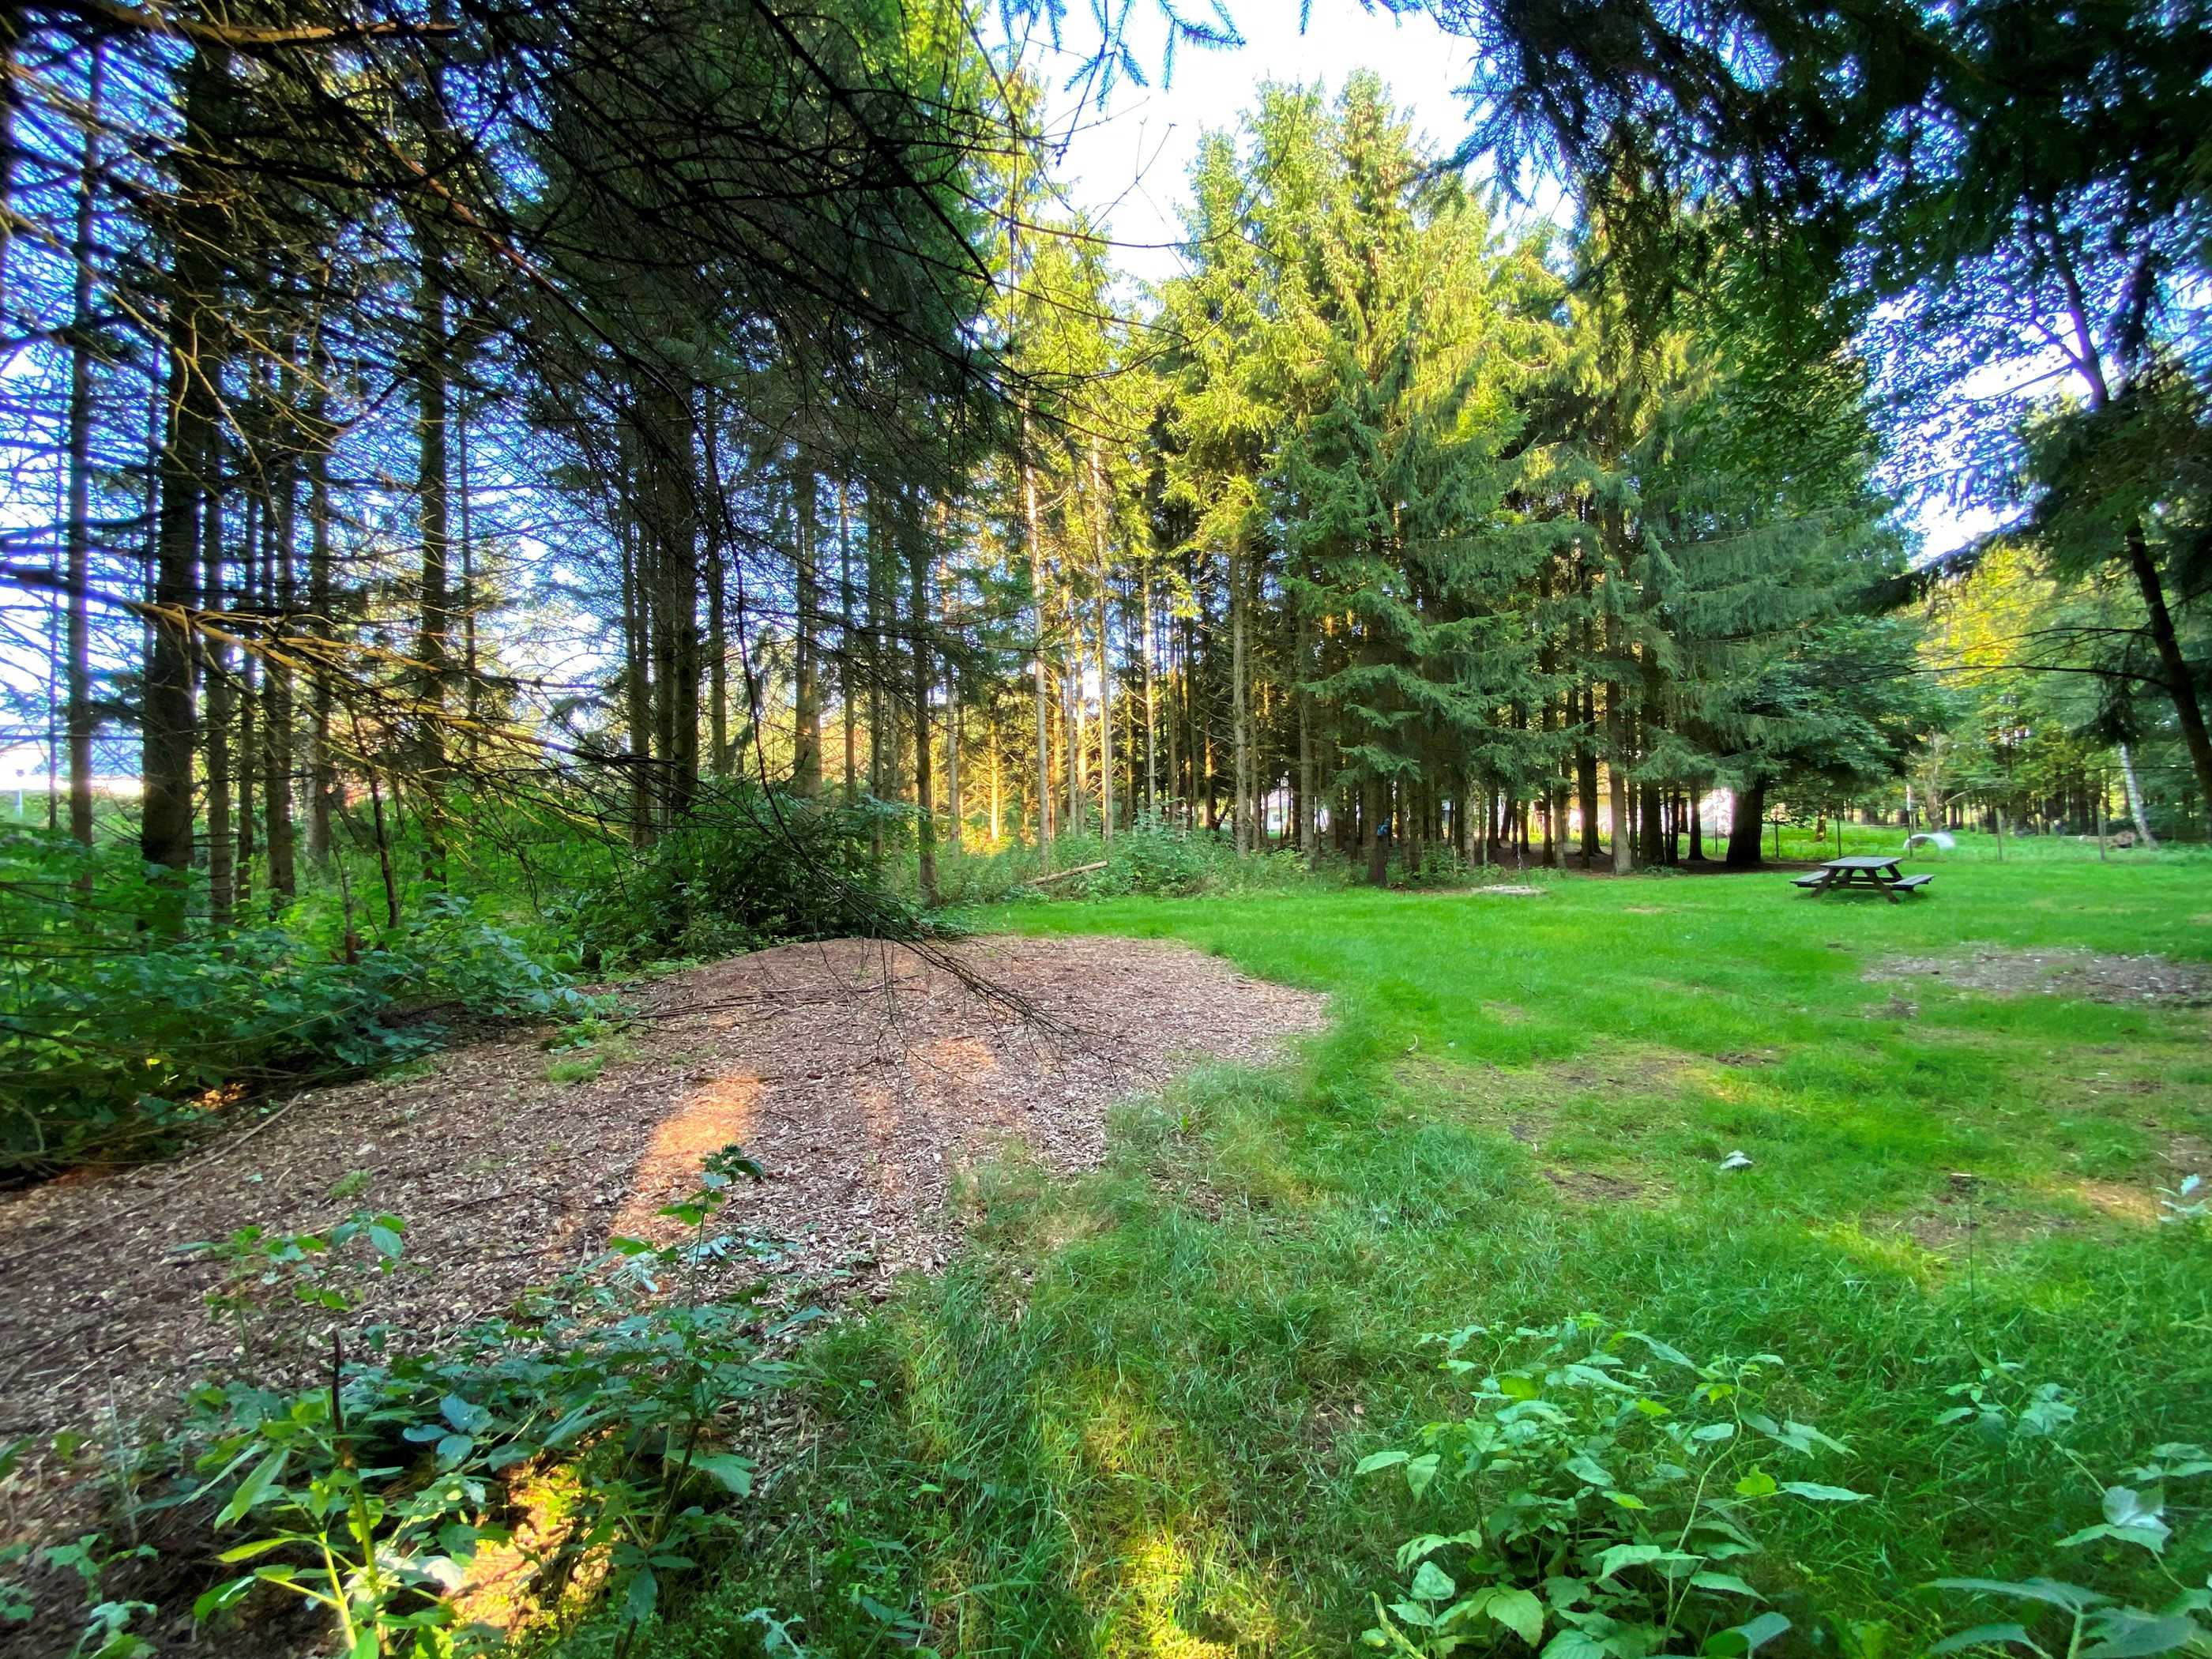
369, 1494
108, 1030
747, 869
1602, 1486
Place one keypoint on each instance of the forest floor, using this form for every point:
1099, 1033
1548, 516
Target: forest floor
1126, 1420
863, 1077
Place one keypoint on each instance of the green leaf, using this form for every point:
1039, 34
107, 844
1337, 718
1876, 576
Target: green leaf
639, 1599
2050, 1591
1588, 1471
1433, 1583
2126, 1633
1626, 1555
1727, 1583
452, 1448
1984, 1636
735, 1473
1821, 1494
255, 1487
1758, 1484
1421, 1471
1747, 1637
1518, 1610
1514, 1386
466, 1418
1382, 1460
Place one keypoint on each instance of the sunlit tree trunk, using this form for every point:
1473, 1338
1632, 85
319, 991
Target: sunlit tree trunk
806, 706
1036, 549
925, 805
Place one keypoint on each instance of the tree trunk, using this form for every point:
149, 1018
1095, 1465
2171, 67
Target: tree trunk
323, 779
1034, 547
806, 695
222, 849
1100, 512
924, 804
1241, 703
1746, 812
2134, 798
847, 655
433, 643
1378, 844
277, 714
194, 347
2174, 665
78, 653
1148, 645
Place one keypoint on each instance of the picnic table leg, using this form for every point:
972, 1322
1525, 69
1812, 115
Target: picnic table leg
1888, 888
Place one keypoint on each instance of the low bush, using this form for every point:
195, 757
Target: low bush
114, 1038
368, 1482
749, 868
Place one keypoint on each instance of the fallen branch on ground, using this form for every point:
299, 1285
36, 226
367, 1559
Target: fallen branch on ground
1062, 875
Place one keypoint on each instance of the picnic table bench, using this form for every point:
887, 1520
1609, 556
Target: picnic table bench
1880, 873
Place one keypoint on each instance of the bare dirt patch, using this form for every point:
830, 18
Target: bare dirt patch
860, 1077
2088, 975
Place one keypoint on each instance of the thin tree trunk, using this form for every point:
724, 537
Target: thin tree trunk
433, 641
845, 638
1043, 696
323, 780
924, 805
805, 695
1240, 705
1098, 544
223, 851
1148, 645
78, 654
277, 725
2134, 798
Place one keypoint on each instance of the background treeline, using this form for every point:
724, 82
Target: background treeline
516, 491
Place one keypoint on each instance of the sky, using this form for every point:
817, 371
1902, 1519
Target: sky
1129, 165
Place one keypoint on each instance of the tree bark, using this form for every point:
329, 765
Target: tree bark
806, 695
1034, 545
2181, 685
1098, 544
924, 804
193, 339
2135, 798
1746, 811
1240, 702
78, 653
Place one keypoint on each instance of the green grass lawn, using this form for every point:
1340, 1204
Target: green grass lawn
1126, 1421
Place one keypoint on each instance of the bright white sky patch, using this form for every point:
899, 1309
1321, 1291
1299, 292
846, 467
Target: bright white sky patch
1128, 166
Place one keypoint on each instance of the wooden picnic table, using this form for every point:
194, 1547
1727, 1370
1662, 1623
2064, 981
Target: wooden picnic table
1863, 871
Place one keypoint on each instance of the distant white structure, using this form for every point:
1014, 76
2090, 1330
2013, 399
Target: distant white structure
1939, 838
24, 774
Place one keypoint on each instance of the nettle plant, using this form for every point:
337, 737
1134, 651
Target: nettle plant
1601, 1487
2054, 1619
371, 1494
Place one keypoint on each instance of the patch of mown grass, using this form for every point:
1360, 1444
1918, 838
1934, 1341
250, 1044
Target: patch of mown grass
1125, 1422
